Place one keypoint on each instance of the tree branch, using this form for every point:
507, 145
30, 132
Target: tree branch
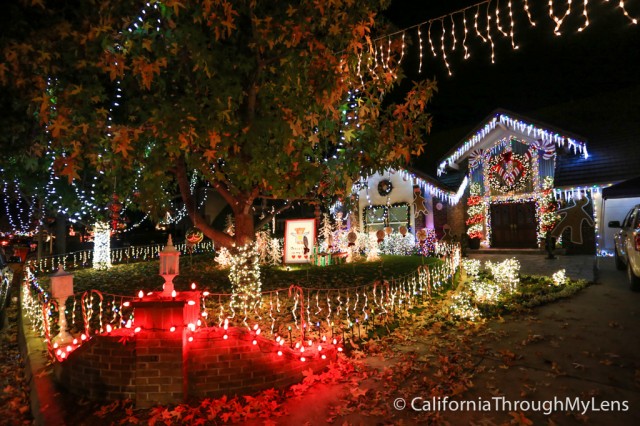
271, 215
183, 183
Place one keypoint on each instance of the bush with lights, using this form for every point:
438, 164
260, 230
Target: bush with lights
398, 244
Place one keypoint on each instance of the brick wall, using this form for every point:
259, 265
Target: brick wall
233, 366
456, 217
162, 367
102, 369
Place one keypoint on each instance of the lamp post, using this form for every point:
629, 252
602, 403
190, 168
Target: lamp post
169, 266
61, 289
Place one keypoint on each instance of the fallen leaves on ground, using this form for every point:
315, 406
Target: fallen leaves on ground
14, 393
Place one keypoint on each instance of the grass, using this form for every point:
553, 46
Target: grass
127, 279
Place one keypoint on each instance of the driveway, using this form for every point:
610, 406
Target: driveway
578, 359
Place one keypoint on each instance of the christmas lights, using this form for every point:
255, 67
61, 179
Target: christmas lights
101, 245
488, 11
559, 278
475, 221
505, 273
544, 136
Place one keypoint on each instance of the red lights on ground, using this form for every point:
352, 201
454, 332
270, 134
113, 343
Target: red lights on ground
255, 342
258, 332
174, 294
75, 341
310, 342
279, 353
339, 349
324, 356
109, 328
335, 341
319, 348
204, 314
198, 323
190, 338
302, 349
69, 348
137, 330
302, 359
55, 346
173, 328
193, 286
226, 323
140, 294
190, 302
192, 327
225, 337
83, 337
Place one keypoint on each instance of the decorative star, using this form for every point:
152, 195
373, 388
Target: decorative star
419, 203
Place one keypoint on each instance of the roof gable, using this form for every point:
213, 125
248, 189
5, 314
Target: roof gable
501, 124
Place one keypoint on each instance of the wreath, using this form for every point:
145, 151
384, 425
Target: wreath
508, 171
385, 187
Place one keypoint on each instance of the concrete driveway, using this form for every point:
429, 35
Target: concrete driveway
585, 349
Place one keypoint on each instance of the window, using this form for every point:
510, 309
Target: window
378, 217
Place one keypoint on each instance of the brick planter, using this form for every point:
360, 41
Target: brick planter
159, 366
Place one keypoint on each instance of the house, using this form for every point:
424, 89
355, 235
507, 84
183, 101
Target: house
510, 160
514, 163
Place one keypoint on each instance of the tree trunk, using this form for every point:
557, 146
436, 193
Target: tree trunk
245, 231
61, 234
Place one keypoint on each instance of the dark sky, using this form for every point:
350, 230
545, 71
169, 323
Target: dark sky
544, 71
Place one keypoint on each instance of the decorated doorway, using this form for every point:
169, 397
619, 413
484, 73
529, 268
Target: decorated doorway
513, 225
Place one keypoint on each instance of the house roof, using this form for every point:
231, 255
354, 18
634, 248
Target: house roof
612, 124
624, 189
609, 123
511, 122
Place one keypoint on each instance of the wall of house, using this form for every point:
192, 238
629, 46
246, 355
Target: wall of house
402, 193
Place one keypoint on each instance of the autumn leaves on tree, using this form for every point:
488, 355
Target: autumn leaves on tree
249, 95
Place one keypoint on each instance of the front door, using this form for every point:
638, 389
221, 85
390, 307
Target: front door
513, 225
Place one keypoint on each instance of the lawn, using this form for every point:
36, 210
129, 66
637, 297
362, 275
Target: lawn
127, 279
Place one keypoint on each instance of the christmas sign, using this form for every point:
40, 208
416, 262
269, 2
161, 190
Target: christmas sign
299, 238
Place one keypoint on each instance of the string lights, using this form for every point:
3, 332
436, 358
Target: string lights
101, 245
526, 129
487, 11
338, 314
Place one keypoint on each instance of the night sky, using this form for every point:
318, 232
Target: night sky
546, 70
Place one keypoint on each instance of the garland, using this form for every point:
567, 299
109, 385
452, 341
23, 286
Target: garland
476, 213
508, 171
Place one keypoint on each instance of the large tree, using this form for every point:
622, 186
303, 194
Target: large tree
265, 100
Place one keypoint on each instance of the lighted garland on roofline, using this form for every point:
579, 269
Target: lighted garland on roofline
545, 136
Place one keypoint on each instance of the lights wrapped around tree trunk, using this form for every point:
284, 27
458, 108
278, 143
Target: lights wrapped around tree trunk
101, 245
244, 275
